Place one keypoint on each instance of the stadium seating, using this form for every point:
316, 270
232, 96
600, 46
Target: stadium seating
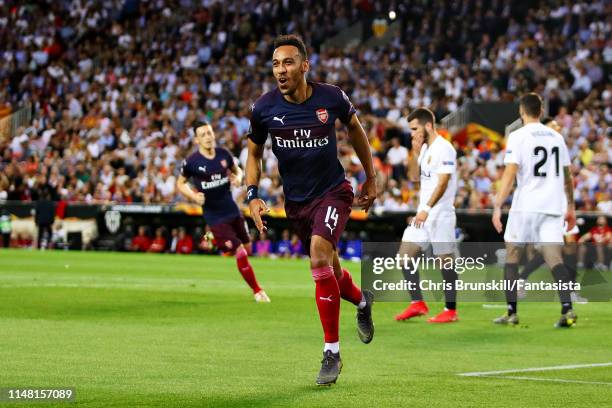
113, 90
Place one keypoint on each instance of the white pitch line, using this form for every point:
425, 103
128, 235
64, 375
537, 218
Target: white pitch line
512, 377
526, 370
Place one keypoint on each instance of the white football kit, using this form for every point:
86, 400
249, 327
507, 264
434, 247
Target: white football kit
439, 228
539, 202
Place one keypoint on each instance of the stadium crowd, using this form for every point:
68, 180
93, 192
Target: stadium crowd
115, 85
269, 244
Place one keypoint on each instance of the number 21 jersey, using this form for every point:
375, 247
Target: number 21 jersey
541, 154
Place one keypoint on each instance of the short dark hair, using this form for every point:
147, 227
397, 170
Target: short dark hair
197, 124
532, 104
423, 115
292, 39
546, 120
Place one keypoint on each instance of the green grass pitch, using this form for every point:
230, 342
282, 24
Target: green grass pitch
139, 330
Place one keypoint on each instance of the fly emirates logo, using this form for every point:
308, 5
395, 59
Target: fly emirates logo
301, 138
216, 180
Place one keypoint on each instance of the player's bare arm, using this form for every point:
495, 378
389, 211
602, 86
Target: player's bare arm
360, 143
253, 173
422, 215
568, 181
236, 175
185, 189
505, 188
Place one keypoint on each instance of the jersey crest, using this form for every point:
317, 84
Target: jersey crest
322, 115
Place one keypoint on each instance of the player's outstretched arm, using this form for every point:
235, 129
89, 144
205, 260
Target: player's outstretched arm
360, 143
568, 181
253, 173
185, 189
505, 187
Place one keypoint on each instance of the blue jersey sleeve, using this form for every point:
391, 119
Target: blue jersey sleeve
346, 108
257, 130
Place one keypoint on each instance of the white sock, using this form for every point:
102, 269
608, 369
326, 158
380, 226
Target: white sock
363, 303
334, 347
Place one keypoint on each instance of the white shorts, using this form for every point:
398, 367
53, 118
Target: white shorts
531, 227
437, 231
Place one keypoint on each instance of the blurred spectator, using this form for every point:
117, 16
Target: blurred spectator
44, 218
5, 227
159, 242
173, 240
600, 236
141, 242
283, 247
184, 244
263, 246
297, 249
352, 247
125, 238
397, 157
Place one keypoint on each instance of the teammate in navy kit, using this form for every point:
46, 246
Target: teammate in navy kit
300, 117
211, 170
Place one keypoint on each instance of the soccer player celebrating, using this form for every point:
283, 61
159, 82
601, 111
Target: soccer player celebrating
211, 170
435, 220
299, 117
537, 157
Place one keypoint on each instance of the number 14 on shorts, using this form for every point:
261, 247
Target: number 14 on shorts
331, 219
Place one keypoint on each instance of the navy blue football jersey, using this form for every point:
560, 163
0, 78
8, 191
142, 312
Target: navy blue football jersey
211, 177
303, 138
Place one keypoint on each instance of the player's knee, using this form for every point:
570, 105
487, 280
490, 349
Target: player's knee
408, 249
322, 272
552, 256
318, 261
321, 252
513, 255
241, 252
